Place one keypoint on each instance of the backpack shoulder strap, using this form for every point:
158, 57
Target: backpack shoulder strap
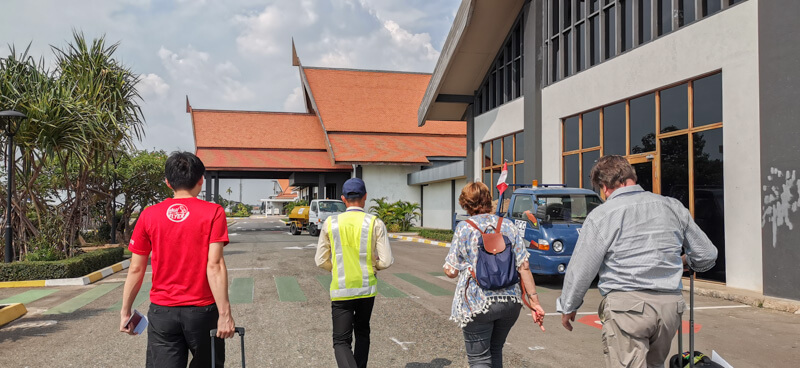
475, 226
499, 228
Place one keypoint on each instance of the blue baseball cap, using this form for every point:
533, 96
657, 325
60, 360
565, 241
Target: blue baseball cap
354, 188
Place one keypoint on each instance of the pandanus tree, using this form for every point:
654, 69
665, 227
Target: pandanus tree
81, 113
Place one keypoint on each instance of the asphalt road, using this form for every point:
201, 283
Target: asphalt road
281, 299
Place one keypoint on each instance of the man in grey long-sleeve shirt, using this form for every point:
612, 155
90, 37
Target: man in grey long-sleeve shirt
634, 240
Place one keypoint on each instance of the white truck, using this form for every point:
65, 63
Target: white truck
311, 218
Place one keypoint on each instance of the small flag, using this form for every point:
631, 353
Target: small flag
501, 181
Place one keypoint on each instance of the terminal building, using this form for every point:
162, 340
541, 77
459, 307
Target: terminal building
701, 96
356, 123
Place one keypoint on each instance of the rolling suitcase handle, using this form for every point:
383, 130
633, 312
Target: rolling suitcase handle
691, 324
213, 333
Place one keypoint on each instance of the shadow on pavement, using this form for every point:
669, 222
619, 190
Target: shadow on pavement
436, 363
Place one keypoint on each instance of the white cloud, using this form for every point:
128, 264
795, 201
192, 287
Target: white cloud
295, 102
194, 70
152, 85
264, 32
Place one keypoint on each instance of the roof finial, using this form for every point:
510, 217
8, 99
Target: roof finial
188, 106
295, 59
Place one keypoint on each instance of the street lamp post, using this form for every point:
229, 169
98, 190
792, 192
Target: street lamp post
8, 116
114, 160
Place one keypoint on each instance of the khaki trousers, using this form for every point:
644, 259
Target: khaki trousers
638, 327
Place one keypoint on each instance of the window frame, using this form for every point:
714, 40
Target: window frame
689, 132
517, 160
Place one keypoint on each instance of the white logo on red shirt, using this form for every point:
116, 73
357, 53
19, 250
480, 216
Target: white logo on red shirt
177, 212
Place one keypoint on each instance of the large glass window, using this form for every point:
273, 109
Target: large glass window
627, 24
675, 108
708, 100
506, 149
584, 33
645, 23
709, 196
643, 124
683, 159
614, 130
503, 81
686, 13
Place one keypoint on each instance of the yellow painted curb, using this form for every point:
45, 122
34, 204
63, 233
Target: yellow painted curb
94, 276
11, 312
16, 284
116, 267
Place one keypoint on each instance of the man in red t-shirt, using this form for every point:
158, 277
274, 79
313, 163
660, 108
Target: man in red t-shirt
189, 296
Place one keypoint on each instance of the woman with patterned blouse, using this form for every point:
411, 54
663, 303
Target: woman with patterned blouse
486, 316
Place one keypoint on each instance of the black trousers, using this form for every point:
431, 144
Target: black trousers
173, 332
349, 317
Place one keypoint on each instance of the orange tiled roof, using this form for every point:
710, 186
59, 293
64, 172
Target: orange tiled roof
373, 101
267, 160
284, 184
394, 148
245, 129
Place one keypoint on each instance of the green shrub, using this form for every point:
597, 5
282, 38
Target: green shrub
67, 268
44, 253
400, 213
241, 210
437, 234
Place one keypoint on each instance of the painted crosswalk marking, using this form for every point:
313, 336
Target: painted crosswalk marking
82, 300
242, 290
384, 288
432, 289
289, 290
141, 297
28, 296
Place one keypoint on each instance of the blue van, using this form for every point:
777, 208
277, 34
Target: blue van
550, 216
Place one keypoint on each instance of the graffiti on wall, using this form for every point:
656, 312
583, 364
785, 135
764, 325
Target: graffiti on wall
781, 197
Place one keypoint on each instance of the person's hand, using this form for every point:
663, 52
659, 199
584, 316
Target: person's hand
225, 327
450, 271
685, 263
123, 319
566, 318
537, 311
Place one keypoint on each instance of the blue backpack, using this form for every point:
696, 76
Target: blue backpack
495, 266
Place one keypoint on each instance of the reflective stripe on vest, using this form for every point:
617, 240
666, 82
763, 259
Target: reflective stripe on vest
351, 238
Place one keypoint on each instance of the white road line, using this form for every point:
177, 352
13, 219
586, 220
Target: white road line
402, 344
534, 348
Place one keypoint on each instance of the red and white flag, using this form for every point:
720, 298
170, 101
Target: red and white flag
501, 181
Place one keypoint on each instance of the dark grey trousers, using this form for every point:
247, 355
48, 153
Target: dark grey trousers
485, 336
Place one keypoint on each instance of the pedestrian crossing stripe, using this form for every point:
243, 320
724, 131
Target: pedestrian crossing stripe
432, 289
141, 297
29, 296
242, 290
84, 299
384, 288
289, 289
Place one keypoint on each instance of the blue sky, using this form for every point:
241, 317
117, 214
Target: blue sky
233, 54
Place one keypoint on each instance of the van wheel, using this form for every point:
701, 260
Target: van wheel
294, 230
312, 230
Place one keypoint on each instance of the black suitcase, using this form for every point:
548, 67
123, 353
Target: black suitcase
691, 358
238, 330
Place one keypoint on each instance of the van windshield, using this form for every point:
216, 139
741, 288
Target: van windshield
332, 206
566, 208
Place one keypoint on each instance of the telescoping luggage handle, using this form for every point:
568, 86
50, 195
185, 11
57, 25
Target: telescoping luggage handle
691, 324
213, 333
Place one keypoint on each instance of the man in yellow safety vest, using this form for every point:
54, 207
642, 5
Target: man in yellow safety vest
353, 245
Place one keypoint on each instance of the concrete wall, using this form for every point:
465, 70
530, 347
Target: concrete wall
389, 181
727, 41
779, 54
501, 121
438, 202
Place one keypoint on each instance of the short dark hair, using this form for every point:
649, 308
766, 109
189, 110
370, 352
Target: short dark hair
183, 170
611, 172
476, 199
